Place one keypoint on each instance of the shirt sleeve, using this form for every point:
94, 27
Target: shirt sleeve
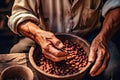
23, 10
110, 4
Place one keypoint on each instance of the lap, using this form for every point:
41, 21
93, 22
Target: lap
22, 46
114, 63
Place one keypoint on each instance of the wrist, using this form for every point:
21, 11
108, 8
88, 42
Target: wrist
33, 28
111, 23
104, 37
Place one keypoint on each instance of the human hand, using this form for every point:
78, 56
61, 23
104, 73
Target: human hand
99, 55
51, 46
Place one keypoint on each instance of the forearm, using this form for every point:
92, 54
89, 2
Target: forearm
29, 29
111, 23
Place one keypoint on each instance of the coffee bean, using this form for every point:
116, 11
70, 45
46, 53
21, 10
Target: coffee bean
74, 63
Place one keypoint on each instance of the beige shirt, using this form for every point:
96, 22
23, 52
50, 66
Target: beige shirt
79, 17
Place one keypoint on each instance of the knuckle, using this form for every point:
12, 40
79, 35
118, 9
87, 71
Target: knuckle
57, 42
100, 62
108, 56
45, 46
102, 54
91, 61
51, 34
43, 51
56, 60
104, 67
92, 58
103, 51
92, 48
56, 54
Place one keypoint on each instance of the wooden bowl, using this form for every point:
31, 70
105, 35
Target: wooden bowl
17, 72
35, 51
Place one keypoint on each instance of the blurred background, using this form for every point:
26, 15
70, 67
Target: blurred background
8, 38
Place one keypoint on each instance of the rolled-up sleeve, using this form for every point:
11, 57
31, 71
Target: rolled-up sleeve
110, 4
22, 10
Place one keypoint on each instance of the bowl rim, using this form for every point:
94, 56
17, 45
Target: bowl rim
59, 76
30, 73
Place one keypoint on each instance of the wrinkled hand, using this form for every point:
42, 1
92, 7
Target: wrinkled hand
99, 55
51, 46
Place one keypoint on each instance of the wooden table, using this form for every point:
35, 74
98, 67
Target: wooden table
7, 60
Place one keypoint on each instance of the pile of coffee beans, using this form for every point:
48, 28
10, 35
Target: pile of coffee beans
69, 66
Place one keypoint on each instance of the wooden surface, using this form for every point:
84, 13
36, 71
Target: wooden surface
7, 60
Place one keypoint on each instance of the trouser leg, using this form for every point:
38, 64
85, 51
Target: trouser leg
22, 46
113, 70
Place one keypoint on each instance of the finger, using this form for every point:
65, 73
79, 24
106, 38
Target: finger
98, 62
57, 43
53, 58
104, 65
92, 55
56, 52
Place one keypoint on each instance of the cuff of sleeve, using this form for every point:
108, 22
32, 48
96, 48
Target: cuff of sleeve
110, 4
14, 23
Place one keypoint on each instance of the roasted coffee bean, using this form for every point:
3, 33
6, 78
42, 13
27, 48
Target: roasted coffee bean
74, 63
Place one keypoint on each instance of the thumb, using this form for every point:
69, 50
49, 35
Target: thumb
92, 55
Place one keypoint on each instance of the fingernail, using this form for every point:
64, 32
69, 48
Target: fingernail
92, 74
91, 60
70, 56
60, 45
